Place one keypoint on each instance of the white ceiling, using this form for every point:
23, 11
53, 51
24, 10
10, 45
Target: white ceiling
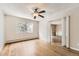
25, 10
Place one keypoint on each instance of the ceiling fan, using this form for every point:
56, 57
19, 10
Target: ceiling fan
38, 13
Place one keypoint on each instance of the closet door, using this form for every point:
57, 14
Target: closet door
68, 31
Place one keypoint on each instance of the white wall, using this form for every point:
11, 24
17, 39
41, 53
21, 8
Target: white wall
2, 34
43, 30
74, 27
13, 35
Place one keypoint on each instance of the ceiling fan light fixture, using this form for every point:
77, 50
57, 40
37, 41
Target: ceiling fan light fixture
35, 14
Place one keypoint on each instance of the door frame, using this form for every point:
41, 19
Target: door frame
66, 31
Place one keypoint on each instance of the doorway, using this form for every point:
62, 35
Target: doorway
60, 31
56, 32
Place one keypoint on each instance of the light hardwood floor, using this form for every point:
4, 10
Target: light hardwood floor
36, 48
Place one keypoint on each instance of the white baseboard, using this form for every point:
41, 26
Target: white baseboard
74, 48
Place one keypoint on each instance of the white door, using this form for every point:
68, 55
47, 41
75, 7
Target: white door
65, 29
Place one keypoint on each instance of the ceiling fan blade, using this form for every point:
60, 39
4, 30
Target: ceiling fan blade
36, 10
34, 17
43, 11
41, 16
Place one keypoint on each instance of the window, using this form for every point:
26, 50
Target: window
24, 27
